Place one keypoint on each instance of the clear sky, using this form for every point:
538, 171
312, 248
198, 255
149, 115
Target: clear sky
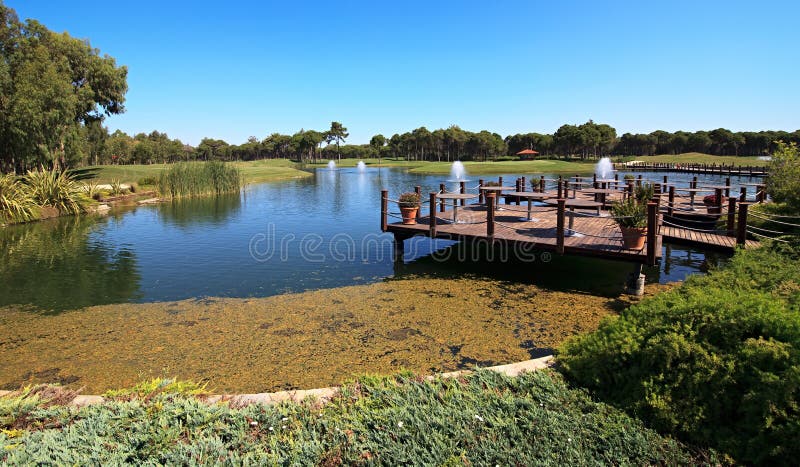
234, 69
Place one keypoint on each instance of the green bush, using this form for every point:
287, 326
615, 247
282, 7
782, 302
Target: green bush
16, 202
57, 189
199, 178
148, 181
482, 419
783, 183
715, 362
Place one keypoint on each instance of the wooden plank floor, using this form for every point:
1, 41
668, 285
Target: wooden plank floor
595, 236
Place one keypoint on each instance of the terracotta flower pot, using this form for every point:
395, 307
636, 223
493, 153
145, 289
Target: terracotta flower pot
711, 209
633, 238
409, 215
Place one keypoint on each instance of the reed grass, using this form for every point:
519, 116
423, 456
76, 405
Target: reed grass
187, 179
16, 202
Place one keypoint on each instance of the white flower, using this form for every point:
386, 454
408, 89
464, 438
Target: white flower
569, 440
254, 423
479, 418
284, 427
284, 419
399, 424
271, 429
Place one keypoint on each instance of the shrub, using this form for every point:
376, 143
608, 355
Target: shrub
783, 184
715, 362
199, 178
116, 187
629, 213
409, 200
16, 202
644, 193
480, 419
57, 189
148, 181
710, 200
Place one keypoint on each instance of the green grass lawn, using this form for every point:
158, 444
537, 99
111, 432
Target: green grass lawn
700, 158
253, 171
505, 167
384, 162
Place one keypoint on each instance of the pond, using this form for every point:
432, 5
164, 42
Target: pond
319, 232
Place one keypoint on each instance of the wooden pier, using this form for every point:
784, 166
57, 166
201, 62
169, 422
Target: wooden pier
572, 222
714, 169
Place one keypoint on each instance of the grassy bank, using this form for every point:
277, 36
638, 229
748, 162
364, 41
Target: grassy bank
252, 171
480, 419
700, 158
509, 167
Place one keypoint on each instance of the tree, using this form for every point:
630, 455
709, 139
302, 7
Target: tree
53, 85
783, 184
338, 133
378, 142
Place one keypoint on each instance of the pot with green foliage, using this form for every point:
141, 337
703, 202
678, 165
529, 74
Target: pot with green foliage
631, 216
409, 205
712, 204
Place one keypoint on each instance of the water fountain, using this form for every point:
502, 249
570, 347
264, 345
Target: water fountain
331, 165
362, 167
604, 168
458, 173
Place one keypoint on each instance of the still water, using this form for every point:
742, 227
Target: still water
291, 236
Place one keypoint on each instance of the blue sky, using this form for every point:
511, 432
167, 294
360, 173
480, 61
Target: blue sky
234, 69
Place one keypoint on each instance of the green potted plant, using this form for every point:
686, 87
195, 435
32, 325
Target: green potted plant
631, 216
409, 205
712, 206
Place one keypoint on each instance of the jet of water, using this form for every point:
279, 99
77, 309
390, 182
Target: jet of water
457, 171
331, 165
362, 167
604, 168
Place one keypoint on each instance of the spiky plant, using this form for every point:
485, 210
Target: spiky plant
57, 189
16, 203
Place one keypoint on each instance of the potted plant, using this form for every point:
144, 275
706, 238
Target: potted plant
631, 217
712, 205
409, 205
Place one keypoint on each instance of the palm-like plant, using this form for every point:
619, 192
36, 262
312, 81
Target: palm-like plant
57, 189
16, 203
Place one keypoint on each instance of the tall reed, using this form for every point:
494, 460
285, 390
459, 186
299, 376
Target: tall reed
16, 202
186, 179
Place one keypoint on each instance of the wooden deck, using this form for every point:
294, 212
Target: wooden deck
705, 239
586, 233
594, 236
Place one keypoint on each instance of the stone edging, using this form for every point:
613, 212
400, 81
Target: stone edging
323, 394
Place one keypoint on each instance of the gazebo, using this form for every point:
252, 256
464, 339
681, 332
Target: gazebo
527, 154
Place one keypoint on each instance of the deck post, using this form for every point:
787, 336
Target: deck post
560, 226
517, 186
671, 207
743, 194
635, 282
490, 214
718, 196
731, 216
639, 180
728, 184
541, 184
560, 188
399, 247
480, 192
741, 226
432, 219
694, 182
442, 189
761, 196
500, 181
384, 210
418, 191
652, 232
522, 184
463, 187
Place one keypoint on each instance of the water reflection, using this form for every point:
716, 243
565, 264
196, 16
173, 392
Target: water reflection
214, 210
59, 264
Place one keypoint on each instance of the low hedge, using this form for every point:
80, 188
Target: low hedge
715, 362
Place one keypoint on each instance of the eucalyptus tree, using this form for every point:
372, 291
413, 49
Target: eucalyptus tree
52, 86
